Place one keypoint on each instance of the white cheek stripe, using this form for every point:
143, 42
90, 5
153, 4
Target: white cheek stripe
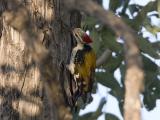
71, 65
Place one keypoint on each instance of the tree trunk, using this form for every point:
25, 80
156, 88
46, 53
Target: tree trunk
22, 92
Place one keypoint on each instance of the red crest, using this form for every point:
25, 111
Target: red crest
86, 38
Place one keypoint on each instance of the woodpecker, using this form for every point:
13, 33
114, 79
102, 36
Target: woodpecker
82, 65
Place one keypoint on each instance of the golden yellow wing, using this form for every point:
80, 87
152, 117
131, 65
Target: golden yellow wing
85, 70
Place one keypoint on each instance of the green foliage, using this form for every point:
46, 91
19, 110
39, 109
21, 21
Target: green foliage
147, 47
94, 115
104, 38
113, 63
110, 117
114, 4
109, 39
134, 8
152, 84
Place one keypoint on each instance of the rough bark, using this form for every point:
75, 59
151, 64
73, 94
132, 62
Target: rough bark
32, 50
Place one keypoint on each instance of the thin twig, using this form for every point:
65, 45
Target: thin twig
104, 57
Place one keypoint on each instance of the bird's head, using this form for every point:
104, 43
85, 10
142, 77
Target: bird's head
81, 36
